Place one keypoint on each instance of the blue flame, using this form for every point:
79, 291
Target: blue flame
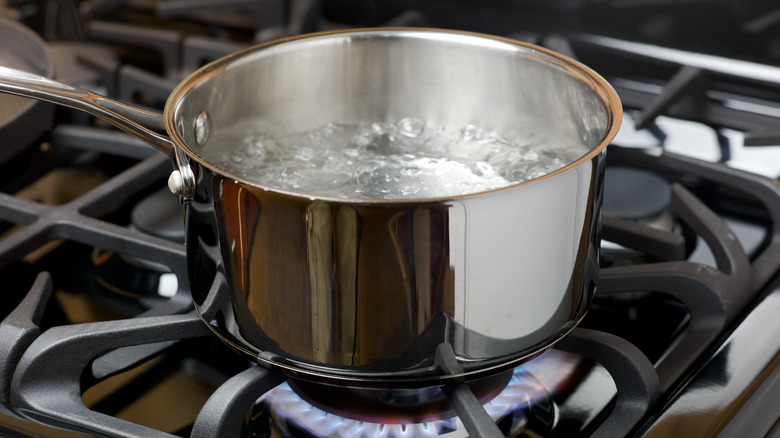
530, 382
287, 407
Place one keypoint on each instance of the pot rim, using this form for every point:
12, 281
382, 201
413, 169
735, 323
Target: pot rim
584, 73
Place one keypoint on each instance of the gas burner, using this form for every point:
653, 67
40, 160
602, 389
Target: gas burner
521, 405
638, 198
392, 406
636, 194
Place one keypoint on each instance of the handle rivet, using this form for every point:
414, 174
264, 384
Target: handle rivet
175, 183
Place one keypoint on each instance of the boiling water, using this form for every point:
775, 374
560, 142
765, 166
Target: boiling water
407, 159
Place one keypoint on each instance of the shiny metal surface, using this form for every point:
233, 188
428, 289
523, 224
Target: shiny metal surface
370, 291
21, 120
136, 121
125, 117
444, 78
365, 290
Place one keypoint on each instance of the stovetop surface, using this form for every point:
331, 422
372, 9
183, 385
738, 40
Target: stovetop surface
83, 278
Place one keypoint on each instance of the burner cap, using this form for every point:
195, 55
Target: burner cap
634, 193
392, 405
160, 215
524, 406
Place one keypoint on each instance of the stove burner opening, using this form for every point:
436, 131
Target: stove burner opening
635, 194
393, 406
521, 402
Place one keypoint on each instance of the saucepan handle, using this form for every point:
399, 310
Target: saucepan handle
144, 124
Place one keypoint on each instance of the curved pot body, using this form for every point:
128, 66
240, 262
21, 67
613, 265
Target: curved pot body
369, 290
365, 291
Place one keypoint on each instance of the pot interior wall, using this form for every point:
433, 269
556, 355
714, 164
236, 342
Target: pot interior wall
443, 79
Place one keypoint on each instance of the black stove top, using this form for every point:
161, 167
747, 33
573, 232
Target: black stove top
98, 336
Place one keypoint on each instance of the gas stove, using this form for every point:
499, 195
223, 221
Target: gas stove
98, 334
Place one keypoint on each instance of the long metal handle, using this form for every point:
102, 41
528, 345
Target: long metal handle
136, 121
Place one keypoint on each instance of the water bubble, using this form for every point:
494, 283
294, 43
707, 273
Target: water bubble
369, 166
237, 157
253, 147
361, 140
379, 128
535, 173
468, 132
531, 156
410, 127
483, 168
515, 175
409, 190
304, 154
350, 152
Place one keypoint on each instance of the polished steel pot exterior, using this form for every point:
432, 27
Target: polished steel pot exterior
368, 290
374, 292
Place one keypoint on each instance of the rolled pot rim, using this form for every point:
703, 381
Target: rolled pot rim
596, 82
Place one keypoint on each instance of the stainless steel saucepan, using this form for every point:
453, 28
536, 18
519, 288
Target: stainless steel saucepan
367, 291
